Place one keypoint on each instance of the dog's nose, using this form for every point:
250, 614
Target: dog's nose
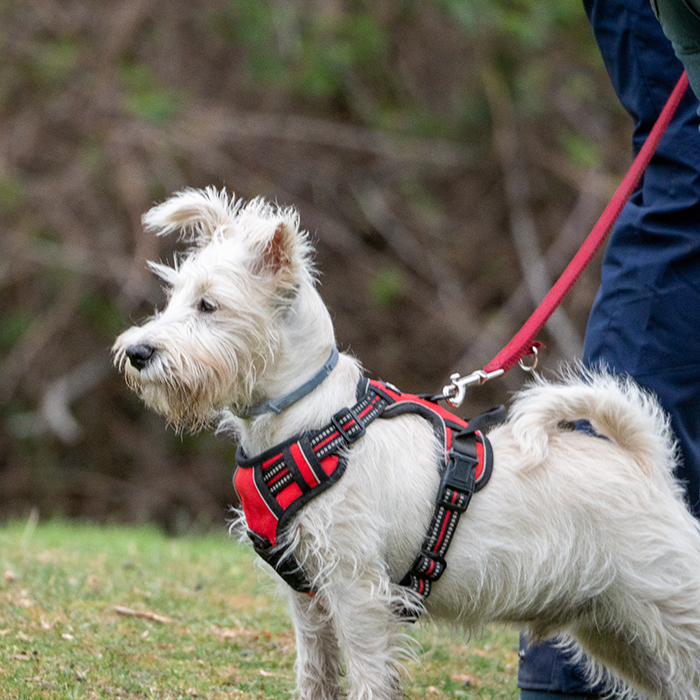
139, 355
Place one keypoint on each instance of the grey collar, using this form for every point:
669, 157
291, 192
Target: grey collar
280, 403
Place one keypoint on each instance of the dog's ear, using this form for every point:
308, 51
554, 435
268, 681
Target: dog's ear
197, 215
277, 254
279, 249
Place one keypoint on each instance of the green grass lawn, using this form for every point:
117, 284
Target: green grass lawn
116, 612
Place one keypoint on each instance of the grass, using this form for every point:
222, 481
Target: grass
116, 612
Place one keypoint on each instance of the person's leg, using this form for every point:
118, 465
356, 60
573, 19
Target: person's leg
646, 318
545, 669
645, 321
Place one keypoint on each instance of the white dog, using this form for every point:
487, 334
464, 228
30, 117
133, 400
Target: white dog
574, 534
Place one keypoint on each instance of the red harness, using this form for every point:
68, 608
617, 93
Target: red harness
276, 484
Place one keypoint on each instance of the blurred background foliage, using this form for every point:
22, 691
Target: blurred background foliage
447, 156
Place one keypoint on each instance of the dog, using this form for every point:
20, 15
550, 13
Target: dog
578, 533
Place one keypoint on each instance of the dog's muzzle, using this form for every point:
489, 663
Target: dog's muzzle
140, 355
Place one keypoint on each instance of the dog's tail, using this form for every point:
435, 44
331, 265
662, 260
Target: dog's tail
617, 408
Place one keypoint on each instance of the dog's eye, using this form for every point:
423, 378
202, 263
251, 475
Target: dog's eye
206, 307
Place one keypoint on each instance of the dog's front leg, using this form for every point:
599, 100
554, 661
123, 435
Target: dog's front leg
368, 633
318, 657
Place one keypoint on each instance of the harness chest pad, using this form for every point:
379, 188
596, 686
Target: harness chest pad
276, 484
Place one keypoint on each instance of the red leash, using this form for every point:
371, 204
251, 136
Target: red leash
524, 342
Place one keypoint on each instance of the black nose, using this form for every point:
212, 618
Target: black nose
139, 355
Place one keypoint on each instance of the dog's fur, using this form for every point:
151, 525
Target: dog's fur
575, 534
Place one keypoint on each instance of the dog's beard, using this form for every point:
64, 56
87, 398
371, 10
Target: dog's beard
187, 408
190, 396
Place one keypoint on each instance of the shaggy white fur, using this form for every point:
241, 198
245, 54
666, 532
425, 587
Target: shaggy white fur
575, 534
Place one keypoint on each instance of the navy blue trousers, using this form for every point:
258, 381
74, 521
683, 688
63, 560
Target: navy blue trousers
645, 321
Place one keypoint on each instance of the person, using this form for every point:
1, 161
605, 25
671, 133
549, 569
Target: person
645, 321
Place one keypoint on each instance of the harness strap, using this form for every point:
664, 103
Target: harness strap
275, 485
454, 495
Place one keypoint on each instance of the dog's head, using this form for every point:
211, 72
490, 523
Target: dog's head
229, 297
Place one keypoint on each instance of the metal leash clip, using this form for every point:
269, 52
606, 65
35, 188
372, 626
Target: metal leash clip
454, 393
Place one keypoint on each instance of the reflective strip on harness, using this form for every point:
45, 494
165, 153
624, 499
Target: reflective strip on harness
275, 485
468, 450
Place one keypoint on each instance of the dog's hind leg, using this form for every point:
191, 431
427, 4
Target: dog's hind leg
318, 666
644, 665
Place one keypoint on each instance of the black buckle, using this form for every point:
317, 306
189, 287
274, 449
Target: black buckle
347, 433
428, 566
463, 460
460, 474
